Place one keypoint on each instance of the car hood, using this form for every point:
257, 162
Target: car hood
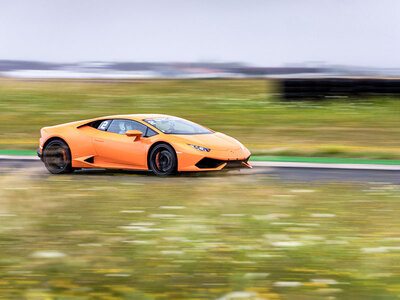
215, 141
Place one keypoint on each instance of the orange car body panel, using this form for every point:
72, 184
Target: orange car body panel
118, 151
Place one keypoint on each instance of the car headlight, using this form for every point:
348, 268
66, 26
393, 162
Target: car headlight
200, 148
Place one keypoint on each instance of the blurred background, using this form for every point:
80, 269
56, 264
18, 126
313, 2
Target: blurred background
310, 80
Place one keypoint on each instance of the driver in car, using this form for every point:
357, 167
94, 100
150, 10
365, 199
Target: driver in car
124, 127
167, 126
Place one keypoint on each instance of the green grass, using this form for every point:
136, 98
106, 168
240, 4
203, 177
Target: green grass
111, 236
245, 109
106, 235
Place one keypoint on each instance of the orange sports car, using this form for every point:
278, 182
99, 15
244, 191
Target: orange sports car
160, 143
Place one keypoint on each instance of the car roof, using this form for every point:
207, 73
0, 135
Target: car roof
136, 116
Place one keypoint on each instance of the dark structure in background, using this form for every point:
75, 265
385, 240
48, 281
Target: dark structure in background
320, 88
265, 71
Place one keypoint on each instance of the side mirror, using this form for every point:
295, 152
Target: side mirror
134, 133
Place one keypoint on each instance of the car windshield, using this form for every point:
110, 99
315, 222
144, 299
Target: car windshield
171, 125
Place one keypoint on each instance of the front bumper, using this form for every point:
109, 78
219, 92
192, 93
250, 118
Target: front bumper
190, 159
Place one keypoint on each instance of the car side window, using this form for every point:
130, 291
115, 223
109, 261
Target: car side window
121, 126
150, 132
103, 125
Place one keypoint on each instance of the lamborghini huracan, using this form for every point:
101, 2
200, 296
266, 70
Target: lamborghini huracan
160, 143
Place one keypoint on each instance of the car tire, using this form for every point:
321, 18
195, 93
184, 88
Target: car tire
162, 160
57, 157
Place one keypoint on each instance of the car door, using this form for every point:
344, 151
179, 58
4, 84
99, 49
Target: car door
113, 146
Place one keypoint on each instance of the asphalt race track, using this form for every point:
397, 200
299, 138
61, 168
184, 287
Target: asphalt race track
300, 174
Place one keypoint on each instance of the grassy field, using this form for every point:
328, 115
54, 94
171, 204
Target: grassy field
110, 236
105, 235
245, 109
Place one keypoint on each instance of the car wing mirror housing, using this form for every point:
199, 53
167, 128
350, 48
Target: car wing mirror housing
134, 133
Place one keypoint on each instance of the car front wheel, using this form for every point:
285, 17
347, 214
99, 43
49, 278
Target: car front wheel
162, 160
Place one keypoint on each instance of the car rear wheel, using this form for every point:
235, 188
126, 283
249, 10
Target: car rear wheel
57, 157
162, 160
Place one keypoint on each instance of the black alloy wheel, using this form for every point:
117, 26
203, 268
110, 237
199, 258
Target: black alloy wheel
162, 160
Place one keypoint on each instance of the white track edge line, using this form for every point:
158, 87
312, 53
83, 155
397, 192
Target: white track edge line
324, 165
19, 157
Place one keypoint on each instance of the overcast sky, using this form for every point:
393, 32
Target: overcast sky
259, 32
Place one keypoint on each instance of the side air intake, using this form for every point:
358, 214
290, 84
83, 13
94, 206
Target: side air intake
90, 160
